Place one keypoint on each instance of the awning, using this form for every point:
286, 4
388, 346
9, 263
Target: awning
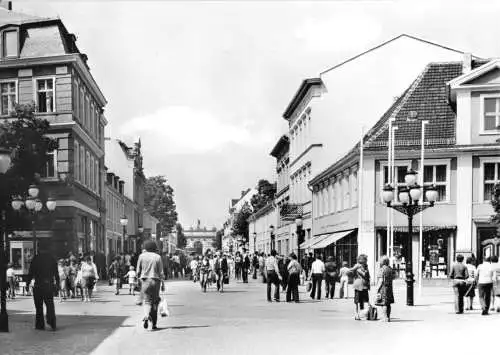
308, 243
330, 239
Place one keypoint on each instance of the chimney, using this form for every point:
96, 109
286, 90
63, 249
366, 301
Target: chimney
6, 5
467, 63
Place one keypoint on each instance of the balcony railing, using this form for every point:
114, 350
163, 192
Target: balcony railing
290, 211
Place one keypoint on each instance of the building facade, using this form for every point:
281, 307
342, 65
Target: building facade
230, 242
41, 64
199, 239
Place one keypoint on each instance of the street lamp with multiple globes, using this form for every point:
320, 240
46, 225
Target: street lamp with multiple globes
5, 161
34, 206
124, 222
298, 223
409, 205
271, 232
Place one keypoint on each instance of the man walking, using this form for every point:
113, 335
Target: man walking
484, 280
331, 276
273, 276
43, 270
317, 271
459, 274
246, 266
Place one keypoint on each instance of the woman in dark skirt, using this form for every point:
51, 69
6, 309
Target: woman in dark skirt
361, 284
470, 283
385, 294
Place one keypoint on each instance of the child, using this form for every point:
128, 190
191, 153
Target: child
132, 280
11, 281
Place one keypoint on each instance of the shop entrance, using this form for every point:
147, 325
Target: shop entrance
487, 243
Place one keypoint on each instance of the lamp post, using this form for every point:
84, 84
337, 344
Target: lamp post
271, 232
409, 205
124, 222
34, 206
254, 242
298, 223
5, 161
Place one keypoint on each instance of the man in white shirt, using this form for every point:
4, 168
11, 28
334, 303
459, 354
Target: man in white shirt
484, 280
273, 276
317, 272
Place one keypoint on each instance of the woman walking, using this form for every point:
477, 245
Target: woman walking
361, 284
89, 277
385, 294
470, 292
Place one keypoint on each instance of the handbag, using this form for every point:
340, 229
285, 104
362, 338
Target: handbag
309, 286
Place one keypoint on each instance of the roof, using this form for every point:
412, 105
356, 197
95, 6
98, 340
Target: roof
17, 18
300, 94
283, 143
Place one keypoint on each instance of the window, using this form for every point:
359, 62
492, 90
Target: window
491, 176
81, 110
437, 175
399, 178
76, 99
45, 95
87, 112
491, 113
82, 165
50, 168
10, 44
87, 167
91, 180
77, 161
354, 189
92, 119
9, 96
96, 178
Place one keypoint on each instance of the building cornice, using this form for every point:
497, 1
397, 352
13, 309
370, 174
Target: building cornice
282, 145
299, 95
317, 145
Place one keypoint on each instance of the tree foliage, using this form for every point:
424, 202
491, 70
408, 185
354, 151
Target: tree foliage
217, 244
240, 224
265, 194
25, 136
159, 202
181, 238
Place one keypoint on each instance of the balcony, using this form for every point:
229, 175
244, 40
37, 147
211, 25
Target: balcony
290, 211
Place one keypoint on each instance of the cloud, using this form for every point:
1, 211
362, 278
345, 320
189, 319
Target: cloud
183, 129
347, 31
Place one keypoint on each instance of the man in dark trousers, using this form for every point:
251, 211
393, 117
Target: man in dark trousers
43, 269
255, 265
246, 266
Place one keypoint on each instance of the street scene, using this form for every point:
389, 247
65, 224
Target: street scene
249, 177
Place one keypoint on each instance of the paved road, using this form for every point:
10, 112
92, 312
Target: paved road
240, 321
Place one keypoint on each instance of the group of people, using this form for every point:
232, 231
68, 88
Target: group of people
485, 278
211, 269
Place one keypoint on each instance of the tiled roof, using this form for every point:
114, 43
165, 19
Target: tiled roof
16, 18
426, 99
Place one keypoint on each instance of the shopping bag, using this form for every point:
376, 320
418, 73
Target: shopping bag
309, 286
164, 311
372, 313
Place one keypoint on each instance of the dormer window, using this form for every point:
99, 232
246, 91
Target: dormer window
491, 113
10, 43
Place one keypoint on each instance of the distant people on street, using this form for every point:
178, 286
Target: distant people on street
361, 284
317, 271
150, 271
262, 263
495, 296
459, 274
204, 273
230, 263
131, 277
273, 276
238, 265
224, 272
331, 276
255, 266
344, 280
470, 283
194, 269
245, 267
11, 281
43, 270
115, 274
484, 280
63, 277
89, 277
294, 271
385, 294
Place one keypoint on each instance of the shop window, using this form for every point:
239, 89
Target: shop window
437, 175
490, 113
9, 96
491, 176
10, 44
50, 168
45, 95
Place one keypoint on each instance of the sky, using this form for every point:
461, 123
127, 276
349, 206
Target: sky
205, 84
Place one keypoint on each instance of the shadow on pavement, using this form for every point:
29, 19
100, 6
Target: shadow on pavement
184, 327
75, 334
235, 291
397, 320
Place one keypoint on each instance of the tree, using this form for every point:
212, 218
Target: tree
181, 238
217, 244
25, 136
265, 194
159, 202
240, 224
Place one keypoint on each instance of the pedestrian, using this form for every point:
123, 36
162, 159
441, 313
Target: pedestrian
150, 271
459, 274
193, 265
72, 272
317, 272
224, 272
385, 294
344, 280
484, 280
255, 266
238, 265
245, 266
294, 271
131, 276
361, 284
331, 276
470, 283
262, 264
204, 273
11, 281
89, 277
63, 276
43, 270
496, 284
273, 276
115, 273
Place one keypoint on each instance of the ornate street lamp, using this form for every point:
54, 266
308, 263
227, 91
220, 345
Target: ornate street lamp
409, 197
124, 222
271, 232
5, 161
298, 223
